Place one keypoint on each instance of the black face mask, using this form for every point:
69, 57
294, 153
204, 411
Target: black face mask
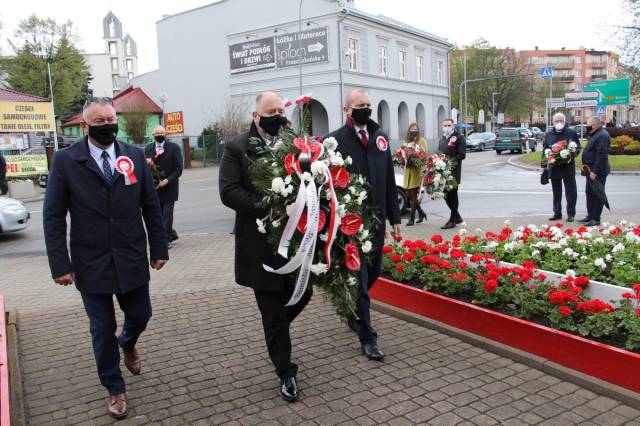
105, 134
414, 135
588, 129
272, 125
361, 115
159, 139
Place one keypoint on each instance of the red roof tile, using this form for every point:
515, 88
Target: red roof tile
8, 95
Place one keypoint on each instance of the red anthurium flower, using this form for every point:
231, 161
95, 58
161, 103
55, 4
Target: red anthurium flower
351, 224
290, 163
352, 257
302, 223
310, 146
340, 177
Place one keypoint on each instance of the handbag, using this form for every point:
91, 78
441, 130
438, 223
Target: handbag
544, 177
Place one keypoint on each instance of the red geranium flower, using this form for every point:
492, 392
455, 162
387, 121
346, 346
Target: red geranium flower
434, 267
490, 286
565, 311
399, 267
457, 254
387, 249
462, 265
290, 163
302, 223
437, 238
636, 288
340, 177
352, 256
351, 224
408, 257
396, 258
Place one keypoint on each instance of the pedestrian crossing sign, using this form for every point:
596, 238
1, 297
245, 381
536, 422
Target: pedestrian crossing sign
546, 72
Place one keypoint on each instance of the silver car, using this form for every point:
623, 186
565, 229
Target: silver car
13, 215
480, 141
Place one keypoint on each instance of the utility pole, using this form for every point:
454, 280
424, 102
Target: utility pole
493, 108
465, 89
53, 111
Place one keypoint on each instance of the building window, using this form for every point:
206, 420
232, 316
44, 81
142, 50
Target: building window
403, 64
129, 65
114, 64
113, 48
578, 113
382, 60
419, 68
578, 59
130, 75
440, 72
578, 73
114, 81
354, 54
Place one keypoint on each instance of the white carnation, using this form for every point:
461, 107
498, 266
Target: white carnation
337, 161
277, 185
348, 161
319, 268
346, 199
287, 180
318, 168
330, 143
261, 227
366, 246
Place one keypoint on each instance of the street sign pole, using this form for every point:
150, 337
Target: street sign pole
550, 96
53, 111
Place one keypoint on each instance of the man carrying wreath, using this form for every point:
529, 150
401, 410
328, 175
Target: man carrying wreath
107, 189
363, 140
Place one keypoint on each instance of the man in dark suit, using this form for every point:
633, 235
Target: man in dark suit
561, 173
596, 156
272, 291
363, 140
454, 146
107, 239
168, 161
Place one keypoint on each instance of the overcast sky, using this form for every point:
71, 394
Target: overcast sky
516, 23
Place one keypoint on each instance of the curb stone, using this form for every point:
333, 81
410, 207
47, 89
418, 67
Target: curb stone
515, 162
18, 416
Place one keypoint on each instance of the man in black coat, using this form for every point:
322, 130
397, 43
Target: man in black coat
107, 239
363, 140
596, 156
561, 173
3, 175
454, 146
272, 291
167, 159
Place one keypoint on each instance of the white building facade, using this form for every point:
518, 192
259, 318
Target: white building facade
117, 65
235, 49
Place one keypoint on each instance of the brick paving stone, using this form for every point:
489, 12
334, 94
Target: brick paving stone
204, 361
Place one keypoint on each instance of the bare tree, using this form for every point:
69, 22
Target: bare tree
232, 118
136, 118
631, 33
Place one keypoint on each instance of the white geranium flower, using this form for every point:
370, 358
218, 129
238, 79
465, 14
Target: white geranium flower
570, 272
366, 246
608, 257
535, 253
622, 263
277, 185
330, 143
568, 251
588, 235
510, 246
507, 222
261, 227
583, 257
478, 231
598, 240
319, 268
618, 248
600, 263
554, 246
491, 246
462, 232
582, 241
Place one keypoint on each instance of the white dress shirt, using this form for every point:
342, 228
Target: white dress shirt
96, 153
358, 128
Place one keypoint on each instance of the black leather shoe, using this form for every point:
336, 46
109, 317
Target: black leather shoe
448, 225
422, 218
556, 217
372, 351
571, 219
592, 223
458, 221
289, 389
410, 222
585, 220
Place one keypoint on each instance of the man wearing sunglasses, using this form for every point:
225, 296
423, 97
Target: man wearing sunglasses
108, 191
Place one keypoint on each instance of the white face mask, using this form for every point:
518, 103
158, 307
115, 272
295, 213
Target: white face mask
447, 130
558, 126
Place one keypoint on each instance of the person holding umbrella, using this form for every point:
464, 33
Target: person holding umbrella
595, 160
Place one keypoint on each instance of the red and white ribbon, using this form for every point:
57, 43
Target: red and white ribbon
124, 165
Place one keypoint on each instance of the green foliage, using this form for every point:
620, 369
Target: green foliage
136, 117
40, 41
632, 149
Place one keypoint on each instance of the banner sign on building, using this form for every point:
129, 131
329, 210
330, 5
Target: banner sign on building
26, 117
280, 51
174, 123
26, 165
252, 55
306, 47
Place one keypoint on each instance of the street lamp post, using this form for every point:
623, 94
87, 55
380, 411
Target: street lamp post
493, 108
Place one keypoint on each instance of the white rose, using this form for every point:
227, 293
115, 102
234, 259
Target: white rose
366, 246
319, 268
547, 151
330, 143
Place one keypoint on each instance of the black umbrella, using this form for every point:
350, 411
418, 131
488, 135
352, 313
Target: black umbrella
596, 187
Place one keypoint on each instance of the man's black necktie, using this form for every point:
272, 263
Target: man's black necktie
106, 167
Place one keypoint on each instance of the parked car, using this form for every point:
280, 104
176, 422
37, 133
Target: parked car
537, 133
480, 141
403, 201
13, 215
515, 140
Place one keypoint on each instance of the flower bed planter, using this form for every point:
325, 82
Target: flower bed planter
608, 363
21, 189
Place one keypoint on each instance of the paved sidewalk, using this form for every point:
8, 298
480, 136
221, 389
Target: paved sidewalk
205, 361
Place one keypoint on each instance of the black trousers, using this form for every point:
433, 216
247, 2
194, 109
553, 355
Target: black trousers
452, 202
571, 190
276, 320
367, 276
136, 306
167, 218
4, 188
594, 205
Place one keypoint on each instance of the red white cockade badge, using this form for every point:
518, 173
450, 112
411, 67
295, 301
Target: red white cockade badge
124, 165
382, 143
452, 141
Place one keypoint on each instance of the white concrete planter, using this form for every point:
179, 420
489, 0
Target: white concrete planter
21, 189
